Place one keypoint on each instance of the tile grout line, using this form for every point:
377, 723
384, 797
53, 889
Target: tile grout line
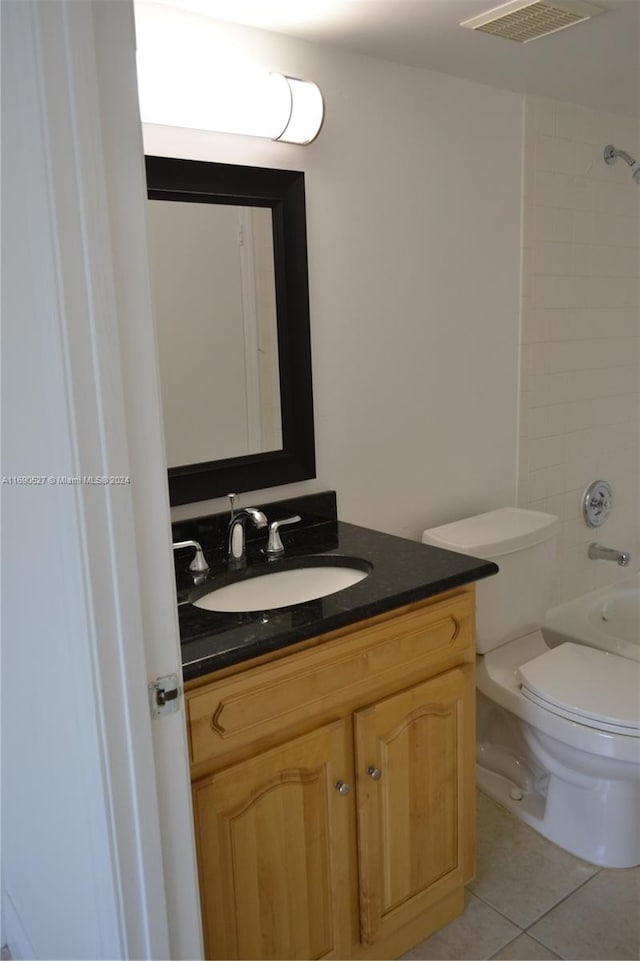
520, 933
567, 896
557, 904
494, 908
493, 956
522, 930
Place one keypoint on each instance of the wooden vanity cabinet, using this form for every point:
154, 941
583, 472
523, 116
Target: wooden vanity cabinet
333, 789
415, 818
273, 851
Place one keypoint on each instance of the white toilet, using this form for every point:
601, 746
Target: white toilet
558, 728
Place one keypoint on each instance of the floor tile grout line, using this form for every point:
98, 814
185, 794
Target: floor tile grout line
561, 901
525, 930
506, 945
519, 935
545, 946
521, 930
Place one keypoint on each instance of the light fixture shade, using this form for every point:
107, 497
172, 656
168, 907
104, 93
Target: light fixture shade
179, 91
306, 111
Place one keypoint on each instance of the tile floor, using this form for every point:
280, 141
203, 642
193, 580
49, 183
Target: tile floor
531, 901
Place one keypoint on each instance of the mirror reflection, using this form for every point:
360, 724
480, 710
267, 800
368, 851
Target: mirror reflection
212, 279
228, 251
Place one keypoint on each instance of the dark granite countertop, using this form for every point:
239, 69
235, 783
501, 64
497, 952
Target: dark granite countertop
403, 571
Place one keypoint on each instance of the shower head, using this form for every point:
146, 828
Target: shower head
612, 153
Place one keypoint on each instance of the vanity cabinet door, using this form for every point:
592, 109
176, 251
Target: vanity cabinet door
414, 756
275, 838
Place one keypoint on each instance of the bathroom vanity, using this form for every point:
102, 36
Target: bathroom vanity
332, 755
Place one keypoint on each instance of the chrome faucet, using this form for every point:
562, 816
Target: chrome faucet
198, 565
275, 546
599, 553
237, 541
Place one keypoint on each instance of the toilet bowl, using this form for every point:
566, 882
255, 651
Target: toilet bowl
558, 732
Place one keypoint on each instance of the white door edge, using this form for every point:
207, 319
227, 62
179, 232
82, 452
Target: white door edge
85, 58
159, 641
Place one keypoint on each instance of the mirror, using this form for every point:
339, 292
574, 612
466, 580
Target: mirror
214, 265
228, 265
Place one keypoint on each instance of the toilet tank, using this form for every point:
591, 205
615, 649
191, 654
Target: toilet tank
523, 545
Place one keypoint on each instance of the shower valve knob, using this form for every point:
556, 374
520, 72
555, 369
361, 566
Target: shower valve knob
597, 503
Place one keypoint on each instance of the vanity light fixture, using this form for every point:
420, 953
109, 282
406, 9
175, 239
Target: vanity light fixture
253, 103
193, 74
306, 111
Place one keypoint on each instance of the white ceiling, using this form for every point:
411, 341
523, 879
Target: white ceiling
595, 63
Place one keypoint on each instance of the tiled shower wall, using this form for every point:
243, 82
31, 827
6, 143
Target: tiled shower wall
580, 353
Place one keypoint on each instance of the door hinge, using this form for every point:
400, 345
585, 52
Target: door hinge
164, 695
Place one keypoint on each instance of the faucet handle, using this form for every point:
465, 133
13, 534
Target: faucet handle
274, 542
198, 565
232, 498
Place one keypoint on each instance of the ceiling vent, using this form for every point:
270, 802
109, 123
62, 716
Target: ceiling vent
524, 20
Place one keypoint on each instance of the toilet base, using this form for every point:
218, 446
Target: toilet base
598, 822
608, 852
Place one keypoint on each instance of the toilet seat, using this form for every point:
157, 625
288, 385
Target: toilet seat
585, 685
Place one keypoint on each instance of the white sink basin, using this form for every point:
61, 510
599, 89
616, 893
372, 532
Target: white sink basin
280, 589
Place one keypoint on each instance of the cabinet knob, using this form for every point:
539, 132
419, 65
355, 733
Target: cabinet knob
342, 788
374, 772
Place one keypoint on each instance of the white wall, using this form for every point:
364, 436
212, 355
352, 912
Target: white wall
581, 332
413, 218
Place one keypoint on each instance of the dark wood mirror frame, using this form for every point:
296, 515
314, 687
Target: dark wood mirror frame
195, 181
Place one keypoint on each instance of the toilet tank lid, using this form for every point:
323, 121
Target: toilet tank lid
495, 533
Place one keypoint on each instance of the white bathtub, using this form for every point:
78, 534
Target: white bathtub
608, 618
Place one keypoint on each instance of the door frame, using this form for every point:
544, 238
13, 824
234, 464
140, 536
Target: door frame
85, 113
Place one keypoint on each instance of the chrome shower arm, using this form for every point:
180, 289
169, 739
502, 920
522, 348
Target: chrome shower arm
612, 153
